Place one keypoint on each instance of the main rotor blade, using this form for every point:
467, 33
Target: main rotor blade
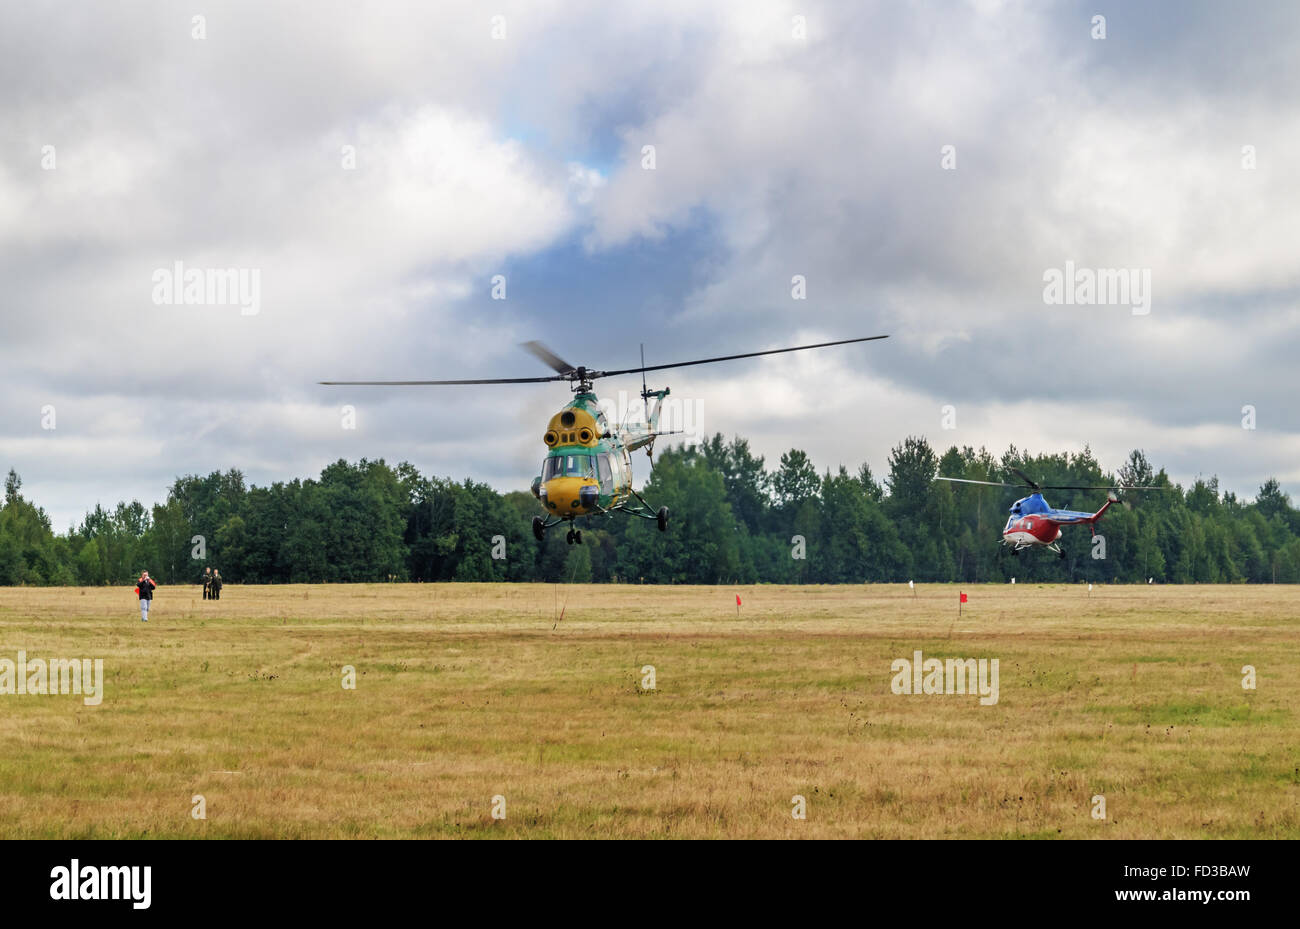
567, 372
705, 361
548, 357
1072, 487
1098, 487
1075, 487
963, 480
489, 380
1025, 477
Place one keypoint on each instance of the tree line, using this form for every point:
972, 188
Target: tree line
733, 520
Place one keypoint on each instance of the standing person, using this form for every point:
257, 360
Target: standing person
216, 584
144, 590
207, 583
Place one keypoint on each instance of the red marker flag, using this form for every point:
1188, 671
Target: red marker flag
963, 598
737, 599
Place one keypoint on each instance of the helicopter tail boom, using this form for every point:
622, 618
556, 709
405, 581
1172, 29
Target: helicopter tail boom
1092, 523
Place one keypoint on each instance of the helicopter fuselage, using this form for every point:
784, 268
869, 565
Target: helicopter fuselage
587, 468
1033, 522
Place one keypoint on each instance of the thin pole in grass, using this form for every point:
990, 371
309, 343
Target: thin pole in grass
961, 598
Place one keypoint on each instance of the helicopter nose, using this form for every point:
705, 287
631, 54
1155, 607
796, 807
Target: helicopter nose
570, 496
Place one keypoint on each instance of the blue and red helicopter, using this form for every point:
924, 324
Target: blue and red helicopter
1035, 523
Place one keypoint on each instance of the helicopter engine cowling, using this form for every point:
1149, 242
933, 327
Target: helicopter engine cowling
573, 426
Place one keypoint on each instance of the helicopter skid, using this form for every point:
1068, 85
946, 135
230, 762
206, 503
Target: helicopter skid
1019, 545
640, 510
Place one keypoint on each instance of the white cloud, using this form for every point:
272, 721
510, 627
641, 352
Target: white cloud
775, 156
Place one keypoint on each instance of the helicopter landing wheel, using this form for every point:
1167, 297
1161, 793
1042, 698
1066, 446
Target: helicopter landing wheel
1062, 555
538, 528
569, 537
577, 536
662, 518
1015, 553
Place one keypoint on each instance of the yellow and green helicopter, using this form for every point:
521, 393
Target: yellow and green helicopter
587, 470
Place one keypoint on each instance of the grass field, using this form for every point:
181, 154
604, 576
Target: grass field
467, 692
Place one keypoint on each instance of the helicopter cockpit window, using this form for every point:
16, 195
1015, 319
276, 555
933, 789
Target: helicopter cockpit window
567, 466
579, 466
606, 476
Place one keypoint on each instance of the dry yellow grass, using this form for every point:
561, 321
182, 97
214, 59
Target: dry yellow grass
465, 692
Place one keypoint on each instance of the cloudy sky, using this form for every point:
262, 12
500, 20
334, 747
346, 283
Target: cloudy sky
377, 165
